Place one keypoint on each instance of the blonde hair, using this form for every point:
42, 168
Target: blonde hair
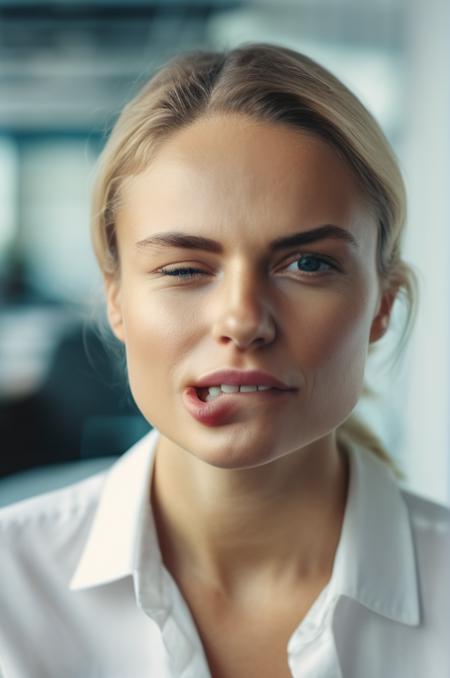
275, 84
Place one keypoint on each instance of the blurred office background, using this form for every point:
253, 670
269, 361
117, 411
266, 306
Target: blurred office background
66, 69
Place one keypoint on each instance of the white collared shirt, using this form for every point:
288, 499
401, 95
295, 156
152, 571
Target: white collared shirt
84, 592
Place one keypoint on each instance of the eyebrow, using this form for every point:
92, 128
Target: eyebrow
195, 242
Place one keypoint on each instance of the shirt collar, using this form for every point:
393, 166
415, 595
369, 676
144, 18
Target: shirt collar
122, 517
374, 564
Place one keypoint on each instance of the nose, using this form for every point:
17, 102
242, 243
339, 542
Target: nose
243, 311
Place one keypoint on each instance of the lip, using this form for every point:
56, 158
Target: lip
225, 407
240, 377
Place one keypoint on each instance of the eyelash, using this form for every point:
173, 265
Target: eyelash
193, 273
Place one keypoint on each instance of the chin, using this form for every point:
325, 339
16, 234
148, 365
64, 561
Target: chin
235, 457
235, 463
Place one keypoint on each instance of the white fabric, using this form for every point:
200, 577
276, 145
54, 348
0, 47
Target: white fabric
84, 593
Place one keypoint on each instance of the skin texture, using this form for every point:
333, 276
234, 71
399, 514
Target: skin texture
254, 507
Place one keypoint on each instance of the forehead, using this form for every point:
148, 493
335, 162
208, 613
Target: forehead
232, 170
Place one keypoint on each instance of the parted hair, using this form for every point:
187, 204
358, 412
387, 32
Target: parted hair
279, 85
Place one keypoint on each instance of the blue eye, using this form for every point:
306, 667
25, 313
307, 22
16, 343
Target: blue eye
312, 263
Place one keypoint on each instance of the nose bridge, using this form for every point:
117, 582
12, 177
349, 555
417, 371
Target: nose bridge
243, 308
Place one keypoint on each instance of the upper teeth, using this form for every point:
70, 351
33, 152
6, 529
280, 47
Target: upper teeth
228, 388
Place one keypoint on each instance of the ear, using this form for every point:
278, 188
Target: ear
114, 306
380, 323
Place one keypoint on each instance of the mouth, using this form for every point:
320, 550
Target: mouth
207, 394
217, 408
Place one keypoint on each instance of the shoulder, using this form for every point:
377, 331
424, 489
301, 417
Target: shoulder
430, 527
58, 514
41, 542
427, 517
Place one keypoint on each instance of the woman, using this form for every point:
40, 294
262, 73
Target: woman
248, 217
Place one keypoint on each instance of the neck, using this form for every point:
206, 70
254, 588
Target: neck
278, 523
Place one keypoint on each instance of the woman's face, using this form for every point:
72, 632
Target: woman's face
304, 313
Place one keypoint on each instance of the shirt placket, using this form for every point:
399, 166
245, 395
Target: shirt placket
185, 659
312, 648
182, 644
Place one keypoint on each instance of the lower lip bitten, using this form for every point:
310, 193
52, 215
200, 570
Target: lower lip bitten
214, 411
206, 396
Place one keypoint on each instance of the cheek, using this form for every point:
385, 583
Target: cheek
333, 333
331, 351
156, 337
